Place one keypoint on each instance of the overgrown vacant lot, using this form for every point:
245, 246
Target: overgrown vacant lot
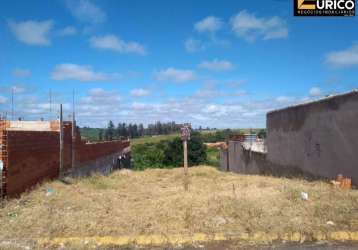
154, 202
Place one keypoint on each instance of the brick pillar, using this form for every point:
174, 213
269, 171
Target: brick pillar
3, 157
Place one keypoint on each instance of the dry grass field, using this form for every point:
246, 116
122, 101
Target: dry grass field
154, 202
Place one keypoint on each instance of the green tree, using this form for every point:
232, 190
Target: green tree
148, 155
100, 135
119, 130
196, 151
140, 130
262, 134
110, 131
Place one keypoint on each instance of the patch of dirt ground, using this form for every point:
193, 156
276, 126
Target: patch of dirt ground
154, 202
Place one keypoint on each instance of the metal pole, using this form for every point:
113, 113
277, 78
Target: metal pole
61, 142
73, 132
12, 103
50, 97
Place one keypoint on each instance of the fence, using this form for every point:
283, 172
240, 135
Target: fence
30, 156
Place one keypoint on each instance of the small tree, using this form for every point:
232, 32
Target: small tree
110, 131
100, 135
262, 134
196, 151
140, 129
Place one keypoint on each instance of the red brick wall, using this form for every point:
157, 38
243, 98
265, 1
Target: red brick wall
33, 156
3, 154
91, 151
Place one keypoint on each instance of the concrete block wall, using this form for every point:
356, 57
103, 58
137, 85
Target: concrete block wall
244, 161
318, 138
223, 159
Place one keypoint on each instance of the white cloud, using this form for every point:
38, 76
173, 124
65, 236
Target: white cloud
112, 42
175, 75
86, 11
215, 108
344, 58
207, 92
18, 89
139, 92
315, 91
21, 73
193, 45
140, 106
100, 105
82, 73
216, 65
250, 27
99, 96
32, 32
284, 99
235, 83
209, 24
67, 31
3, 99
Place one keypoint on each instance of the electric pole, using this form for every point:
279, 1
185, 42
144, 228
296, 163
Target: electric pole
73, 132
61, 142
12, 103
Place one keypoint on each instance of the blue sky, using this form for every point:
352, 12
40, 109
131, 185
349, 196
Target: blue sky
211, 63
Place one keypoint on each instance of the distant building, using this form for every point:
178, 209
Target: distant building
250, 137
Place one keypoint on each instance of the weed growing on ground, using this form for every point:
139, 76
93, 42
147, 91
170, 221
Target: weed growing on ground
154, 201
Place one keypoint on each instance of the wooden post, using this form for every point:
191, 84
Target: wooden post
61, 142
185, 136
227, 157
185, 149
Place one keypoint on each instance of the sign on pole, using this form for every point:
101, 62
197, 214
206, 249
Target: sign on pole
185, 136
185, 132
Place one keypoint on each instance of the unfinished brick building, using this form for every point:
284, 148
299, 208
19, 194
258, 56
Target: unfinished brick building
30, 153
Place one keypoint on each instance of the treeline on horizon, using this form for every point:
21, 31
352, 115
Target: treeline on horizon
130, 130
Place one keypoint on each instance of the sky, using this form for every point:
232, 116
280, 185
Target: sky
221, 64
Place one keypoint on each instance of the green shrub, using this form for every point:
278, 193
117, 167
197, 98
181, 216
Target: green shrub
262, 134
148, 155
174, 152
197, 150
213, 157
219, 135
165, 154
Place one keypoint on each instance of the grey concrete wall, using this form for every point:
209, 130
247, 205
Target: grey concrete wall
223, 159
246, 161
103, 165
236, 163
318, 138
